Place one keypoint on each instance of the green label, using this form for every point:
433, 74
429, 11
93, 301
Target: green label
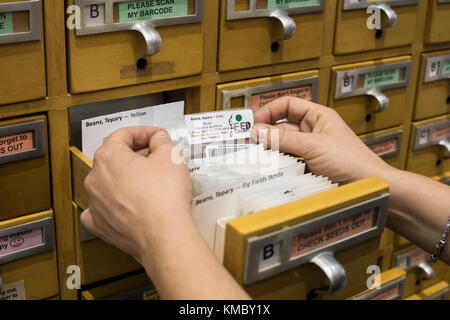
381, 78
152, 9
446, 69
281, 4
6, 23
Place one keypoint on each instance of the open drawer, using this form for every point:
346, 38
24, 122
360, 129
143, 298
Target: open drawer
317, 247
28, 267
136, 287
97, 259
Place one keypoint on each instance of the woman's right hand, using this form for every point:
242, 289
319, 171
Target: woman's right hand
319, 135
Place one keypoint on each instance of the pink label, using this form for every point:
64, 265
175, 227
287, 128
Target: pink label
418, 257
19, 241
440, 133
261, 99
388, 294
333, 232
384, 147
16, 143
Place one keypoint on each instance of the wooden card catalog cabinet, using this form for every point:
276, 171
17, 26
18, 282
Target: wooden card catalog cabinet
24, 167
437, 292
309, 247
371, 96
22, 58
433, 93
123, 42
430, 148
420, 273
262, 32
256, 93
396, 27
438, 22
392, 287
28, 258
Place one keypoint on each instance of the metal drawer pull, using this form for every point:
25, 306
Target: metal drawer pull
382, 99
288, 23
151, 37
333, 270
390, 14
427, 269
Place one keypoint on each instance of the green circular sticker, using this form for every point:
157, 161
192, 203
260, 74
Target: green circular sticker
239, 118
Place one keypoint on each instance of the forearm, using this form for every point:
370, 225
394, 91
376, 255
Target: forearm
182, 266
419, 209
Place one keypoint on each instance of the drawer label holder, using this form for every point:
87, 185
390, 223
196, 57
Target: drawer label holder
309, 88
7, 11
280, 12
315, 241
437, 68
392, 290
416, 258
371, 81
26, 240
103, 21
386, 145
433, 134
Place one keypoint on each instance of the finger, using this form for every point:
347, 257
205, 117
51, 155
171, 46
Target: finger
294, 109
288, 126
132, 138
159, 139
144, 152
297, 143
88, 222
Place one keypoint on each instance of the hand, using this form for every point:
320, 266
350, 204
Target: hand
135, 195
320, 136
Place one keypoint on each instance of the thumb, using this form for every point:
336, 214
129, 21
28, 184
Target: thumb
159, 139
288, 141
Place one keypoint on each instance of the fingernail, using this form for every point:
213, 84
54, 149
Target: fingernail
161, 134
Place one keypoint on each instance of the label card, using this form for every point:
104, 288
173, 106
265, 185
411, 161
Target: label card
387, 294
13, 291
16, 143
283, 4
152, 9
94, 131
381, 78
270, 256
384, 147
20, 241
6, 23
440, 133
331, 233
261, 99
446, 68
219, 126
95, 15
